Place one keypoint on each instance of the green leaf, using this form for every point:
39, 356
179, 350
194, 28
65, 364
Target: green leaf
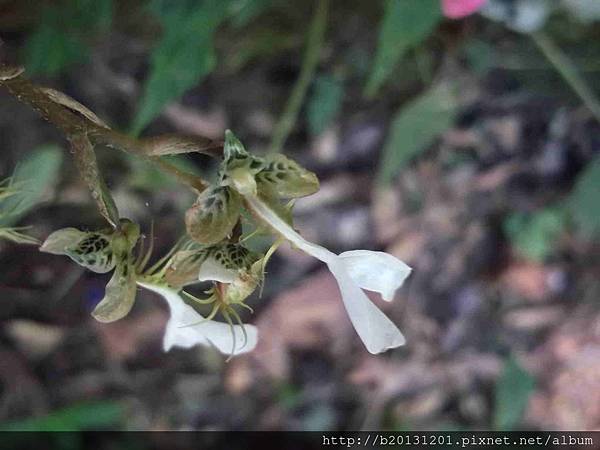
60, 40
534, 234
85, 158
184, 55
84, 416
415, 127
33, 178
512, 393
324, 103
405, 24
583, 200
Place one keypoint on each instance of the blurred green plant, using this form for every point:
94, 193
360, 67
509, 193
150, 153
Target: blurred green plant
535, 235
405, 24
583, 200
244, 11
146, 176
513, 389
288, 395
63, 34
32, 180
83, 416
310, 60
184, 55
415, 127
324, 103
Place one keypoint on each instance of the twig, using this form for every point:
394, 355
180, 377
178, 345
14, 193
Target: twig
568, 71
316, 34
76, 121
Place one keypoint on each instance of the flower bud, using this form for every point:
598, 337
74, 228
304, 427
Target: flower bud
213, 216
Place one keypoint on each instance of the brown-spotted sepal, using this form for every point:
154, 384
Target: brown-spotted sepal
101, 252
92, 249
222, 263
239, 167
213, 216
286, 178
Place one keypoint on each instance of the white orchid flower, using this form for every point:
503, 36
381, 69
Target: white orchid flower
354, 271
260, 183
104, 251
187, 328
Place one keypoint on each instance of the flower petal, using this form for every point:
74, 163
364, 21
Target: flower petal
119, 295
212, 270
456, 9
376, 330
281, 227
376, 271
184, 330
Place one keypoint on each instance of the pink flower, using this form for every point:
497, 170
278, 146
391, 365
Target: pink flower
456, 9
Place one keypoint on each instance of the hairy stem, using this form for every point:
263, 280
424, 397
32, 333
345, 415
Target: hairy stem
310, 61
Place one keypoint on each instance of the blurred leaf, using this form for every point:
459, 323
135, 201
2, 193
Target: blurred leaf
324, 103
146, 176
583, 201
405, 24
245, 11
288, 395
85, 416
513, 389
261, 43
535, 234
33, 178
585, 10
184, 55
524, 16
415, 127
480, 55
60, 39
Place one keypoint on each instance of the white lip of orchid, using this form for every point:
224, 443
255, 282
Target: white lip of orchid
376, 271
186, 328
354, 271
212, 270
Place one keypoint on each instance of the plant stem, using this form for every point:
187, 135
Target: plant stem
76, 126
568, 71
310, 61
193, 181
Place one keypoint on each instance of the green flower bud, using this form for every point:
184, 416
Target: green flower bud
245, 284
239, 167
213, 216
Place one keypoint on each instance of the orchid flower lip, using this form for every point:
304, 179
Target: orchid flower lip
211, 270
353, 271
187, 328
